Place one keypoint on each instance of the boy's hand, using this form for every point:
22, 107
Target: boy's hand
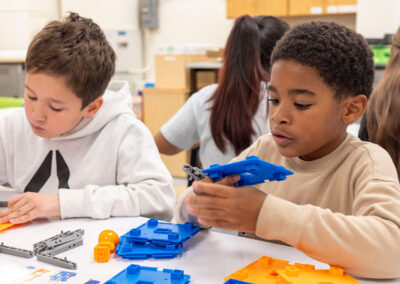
30, 205
226, 207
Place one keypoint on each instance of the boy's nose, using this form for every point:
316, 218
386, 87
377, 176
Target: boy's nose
281, 115
38, 115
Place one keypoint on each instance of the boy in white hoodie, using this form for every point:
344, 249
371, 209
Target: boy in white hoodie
76, 152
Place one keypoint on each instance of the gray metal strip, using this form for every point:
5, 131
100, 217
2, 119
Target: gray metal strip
15, 251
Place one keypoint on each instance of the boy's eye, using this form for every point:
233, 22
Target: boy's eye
302, 106
273, 101
56, 109
32, 98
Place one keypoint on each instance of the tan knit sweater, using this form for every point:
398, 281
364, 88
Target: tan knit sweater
342, 209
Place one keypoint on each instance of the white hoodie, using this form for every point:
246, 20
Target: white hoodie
106, 166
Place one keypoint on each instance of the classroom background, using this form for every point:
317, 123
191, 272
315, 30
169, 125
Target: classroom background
168, 49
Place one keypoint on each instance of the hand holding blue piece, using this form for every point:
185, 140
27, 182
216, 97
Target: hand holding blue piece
252, 171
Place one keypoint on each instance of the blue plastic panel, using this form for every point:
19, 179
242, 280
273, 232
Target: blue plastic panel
252, 171
144, 274
157, 232
234, 281
144, 251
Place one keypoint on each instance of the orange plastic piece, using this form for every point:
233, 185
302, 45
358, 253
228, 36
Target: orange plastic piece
108, 241
295, 275
5, 226
268, 270
263, 270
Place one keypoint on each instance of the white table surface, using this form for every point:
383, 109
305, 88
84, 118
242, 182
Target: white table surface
208, 257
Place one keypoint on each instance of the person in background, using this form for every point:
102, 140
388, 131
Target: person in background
77, 149
342, 204
226, 118
381, 122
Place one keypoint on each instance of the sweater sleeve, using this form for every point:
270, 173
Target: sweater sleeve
143, 185
364, 244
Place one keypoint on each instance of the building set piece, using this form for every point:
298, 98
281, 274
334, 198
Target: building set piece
144, 274
46, 249
5, 226
15, 251
155, 239
252, 171
275, 271
108, 241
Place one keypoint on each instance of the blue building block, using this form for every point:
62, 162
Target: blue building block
92, 282
143, 251
252, 171
148, 275
234, 281
157, 232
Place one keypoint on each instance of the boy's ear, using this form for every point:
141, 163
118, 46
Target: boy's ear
93, 107
353, 108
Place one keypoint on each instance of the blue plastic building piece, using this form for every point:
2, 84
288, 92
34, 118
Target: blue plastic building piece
63, 276
234, 281
92, 282
252, 171
161, 233
144, 274
143, 251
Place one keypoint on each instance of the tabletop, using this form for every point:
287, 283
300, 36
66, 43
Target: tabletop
208, 257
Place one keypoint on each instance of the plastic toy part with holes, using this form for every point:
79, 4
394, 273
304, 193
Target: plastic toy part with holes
5, 226
252, 171
270, 270
108, 241
144, 274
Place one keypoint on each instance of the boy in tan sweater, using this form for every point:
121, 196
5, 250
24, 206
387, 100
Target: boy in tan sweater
342, 205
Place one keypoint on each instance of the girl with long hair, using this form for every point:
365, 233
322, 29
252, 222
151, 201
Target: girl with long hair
226, 118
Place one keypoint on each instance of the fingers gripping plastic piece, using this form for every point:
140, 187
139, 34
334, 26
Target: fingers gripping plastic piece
252, 171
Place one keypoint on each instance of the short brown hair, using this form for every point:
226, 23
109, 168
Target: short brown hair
76, 49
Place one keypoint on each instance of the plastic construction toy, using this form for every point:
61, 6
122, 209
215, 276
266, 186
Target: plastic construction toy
297, 275
5, 226
144, 251
155, 239
234, 281
252, 171
144, 274
275, 271
162, 232
46, 249
91, 281
108, 240
263, 269
15, 251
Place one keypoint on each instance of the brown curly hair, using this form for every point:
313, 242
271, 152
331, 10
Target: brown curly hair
76, 49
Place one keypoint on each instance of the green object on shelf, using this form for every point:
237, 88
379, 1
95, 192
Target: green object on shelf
11, 102
381, 54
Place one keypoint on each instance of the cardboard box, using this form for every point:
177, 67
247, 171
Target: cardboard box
171, 71
306, 7
237, 8
159, 105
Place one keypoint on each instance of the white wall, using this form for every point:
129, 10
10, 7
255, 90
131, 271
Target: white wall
188, 21
20, 20
377, 17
